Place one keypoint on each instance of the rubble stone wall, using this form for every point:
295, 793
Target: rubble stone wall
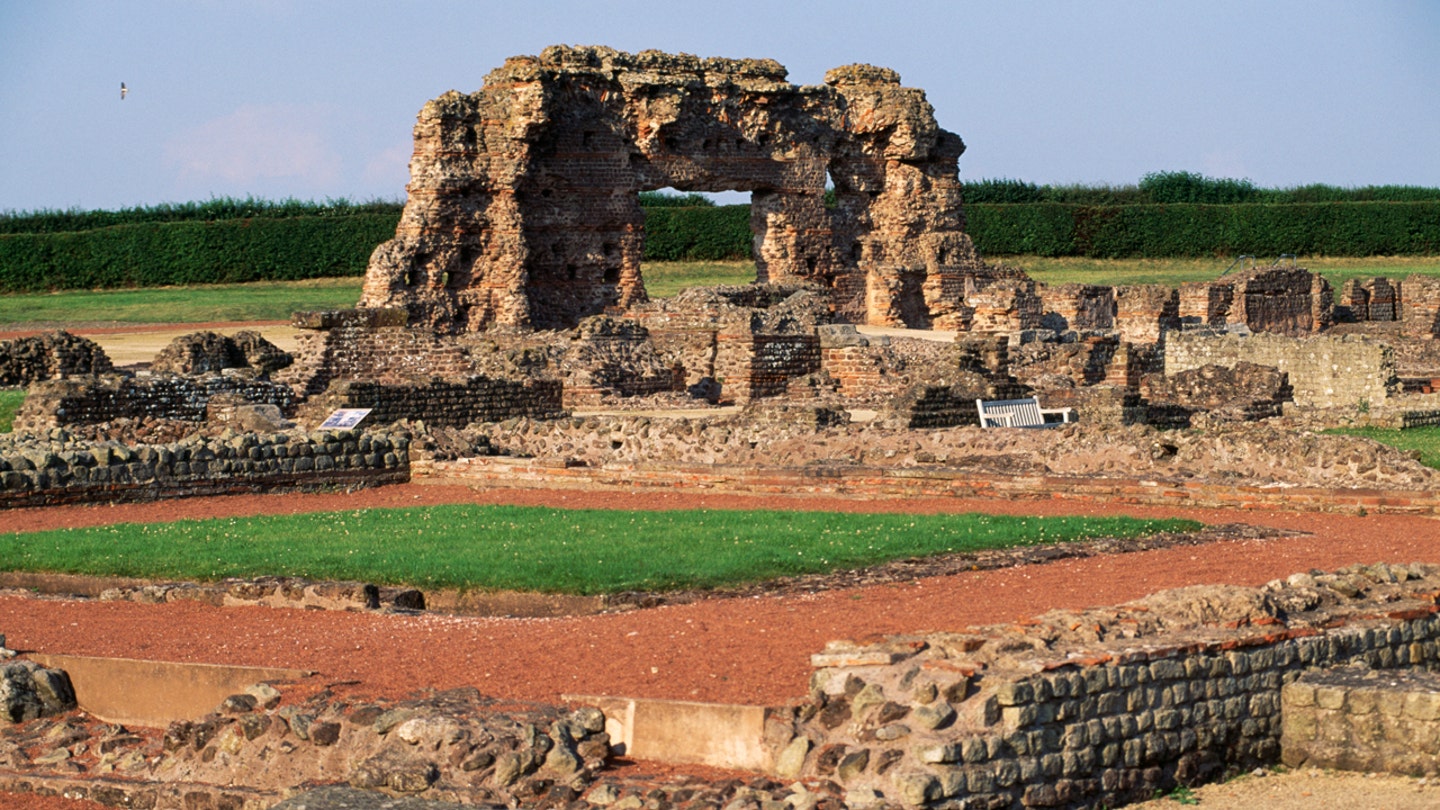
90, 400
57, 469
50, 356
523, 206
1324, 371
1098, 707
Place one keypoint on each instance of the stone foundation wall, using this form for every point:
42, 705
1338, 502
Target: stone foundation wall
1362, 719
35, 472
440, 403
90, 400
1324, 371
1098, 707
250, 753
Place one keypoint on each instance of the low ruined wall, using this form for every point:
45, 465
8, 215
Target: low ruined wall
50, 356
1361, 719
441, 403
90, 400
54, 470
1324, 371
1098, 707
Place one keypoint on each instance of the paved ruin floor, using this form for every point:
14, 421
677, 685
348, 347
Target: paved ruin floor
753, 650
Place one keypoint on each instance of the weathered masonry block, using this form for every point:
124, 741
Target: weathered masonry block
523, 202
1361, 719
1325, 371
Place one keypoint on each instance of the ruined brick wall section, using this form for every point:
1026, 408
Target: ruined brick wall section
1077, 306
1206, 303
1284, 300
1325, 371
1145, 312
91, 400
440, 403
50, 356
750, 365
1371, 299
1420, 308
522, 205
393, 353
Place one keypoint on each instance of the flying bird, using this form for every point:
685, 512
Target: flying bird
123, 91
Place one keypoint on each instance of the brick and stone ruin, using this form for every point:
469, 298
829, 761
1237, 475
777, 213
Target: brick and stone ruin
1072, 709
512, 297
505, 336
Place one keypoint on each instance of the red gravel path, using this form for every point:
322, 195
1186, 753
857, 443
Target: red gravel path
742, 650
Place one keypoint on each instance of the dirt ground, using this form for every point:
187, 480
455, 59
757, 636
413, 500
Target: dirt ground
751, 650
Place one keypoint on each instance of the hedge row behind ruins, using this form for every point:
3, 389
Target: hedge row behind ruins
267, 247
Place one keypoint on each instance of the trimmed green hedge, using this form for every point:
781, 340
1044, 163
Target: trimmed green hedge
221, 252
300, 247
1182, 230
707, 233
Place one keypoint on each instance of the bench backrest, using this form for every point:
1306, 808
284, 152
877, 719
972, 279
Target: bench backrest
1010, 413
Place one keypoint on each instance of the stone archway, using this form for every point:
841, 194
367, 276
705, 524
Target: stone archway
523, 200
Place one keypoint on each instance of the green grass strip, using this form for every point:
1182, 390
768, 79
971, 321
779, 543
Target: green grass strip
10, 401
1424, 440
539, 549
201, 303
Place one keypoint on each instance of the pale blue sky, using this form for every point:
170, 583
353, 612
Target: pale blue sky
281, 98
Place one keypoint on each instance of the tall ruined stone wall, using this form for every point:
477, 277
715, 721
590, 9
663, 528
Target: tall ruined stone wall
1325, 371
523, 207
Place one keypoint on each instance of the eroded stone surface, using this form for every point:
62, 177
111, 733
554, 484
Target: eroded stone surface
523, 207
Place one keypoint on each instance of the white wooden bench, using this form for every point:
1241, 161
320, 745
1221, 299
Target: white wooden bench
1019, 413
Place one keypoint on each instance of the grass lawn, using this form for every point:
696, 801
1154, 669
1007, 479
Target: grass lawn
10, 399
1425, 440
276, 300
538, 549
201, 303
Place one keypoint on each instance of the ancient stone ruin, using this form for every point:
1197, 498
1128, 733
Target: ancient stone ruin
523, 207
